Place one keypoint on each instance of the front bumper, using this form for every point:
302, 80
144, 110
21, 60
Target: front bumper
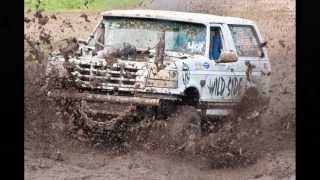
105, 98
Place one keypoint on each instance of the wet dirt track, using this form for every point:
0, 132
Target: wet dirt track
49, 154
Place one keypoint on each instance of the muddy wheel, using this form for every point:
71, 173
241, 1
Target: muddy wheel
100, 123
185, 128
71, 110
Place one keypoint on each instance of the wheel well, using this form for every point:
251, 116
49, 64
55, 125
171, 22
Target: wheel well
191, 96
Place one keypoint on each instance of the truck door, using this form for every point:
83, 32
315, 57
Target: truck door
223, 81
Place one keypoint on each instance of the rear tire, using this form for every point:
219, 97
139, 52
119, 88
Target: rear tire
251, 106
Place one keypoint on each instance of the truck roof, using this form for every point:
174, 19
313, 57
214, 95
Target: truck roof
178, 16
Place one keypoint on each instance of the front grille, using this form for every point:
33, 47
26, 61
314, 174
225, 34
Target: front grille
103, 76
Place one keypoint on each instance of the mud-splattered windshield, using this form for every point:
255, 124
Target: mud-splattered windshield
145, 33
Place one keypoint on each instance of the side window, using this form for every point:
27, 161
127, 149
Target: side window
215, 43
246, 41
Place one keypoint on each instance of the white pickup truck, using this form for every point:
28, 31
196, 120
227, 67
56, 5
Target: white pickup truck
161, 60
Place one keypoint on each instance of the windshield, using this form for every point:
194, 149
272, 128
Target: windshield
145, 33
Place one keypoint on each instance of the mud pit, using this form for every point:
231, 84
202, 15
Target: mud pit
244, 152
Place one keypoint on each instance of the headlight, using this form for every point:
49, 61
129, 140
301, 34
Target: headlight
161, 83
164, 79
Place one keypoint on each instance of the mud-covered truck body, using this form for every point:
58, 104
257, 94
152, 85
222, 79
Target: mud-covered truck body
158, 58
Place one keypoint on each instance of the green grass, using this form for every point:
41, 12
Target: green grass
75, 5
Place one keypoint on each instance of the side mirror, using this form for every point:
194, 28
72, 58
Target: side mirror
227, 57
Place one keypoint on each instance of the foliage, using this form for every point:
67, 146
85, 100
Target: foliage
89, 5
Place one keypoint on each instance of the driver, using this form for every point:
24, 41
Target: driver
215, 44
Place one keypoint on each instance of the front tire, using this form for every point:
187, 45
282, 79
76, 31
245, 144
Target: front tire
185, 128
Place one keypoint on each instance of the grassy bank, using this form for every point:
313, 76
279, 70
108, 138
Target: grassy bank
78, 5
